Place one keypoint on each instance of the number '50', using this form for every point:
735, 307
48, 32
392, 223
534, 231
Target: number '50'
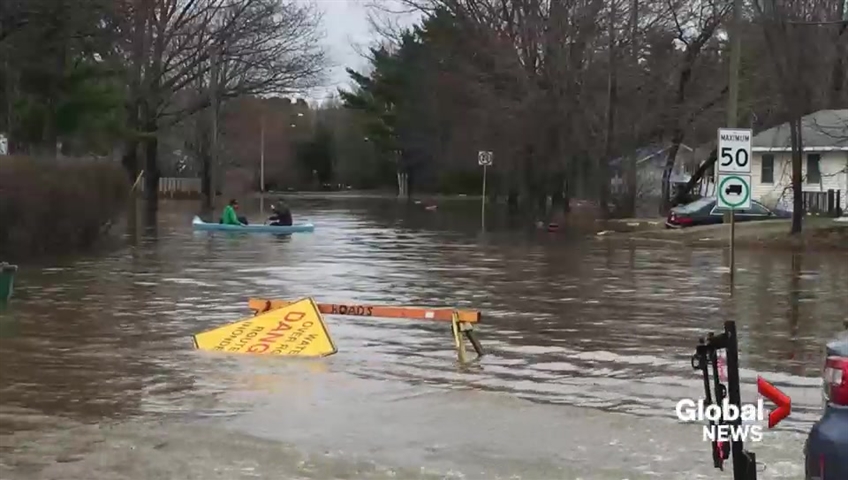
727, 157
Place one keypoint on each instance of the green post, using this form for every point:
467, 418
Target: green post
7, 280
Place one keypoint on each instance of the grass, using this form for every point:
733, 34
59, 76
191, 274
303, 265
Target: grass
817, 233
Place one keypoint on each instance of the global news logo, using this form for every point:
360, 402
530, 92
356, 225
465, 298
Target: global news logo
728, 422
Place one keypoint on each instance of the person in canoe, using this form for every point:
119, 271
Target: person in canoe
230, 217
282, 215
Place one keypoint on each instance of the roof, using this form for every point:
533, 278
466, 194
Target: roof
645, 154
822, 131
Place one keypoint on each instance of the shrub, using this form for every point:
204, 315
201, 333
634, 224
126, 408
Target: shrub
464, 182
57, 206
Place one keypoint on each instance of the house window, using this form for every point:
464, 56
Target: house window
813, 171
767, 169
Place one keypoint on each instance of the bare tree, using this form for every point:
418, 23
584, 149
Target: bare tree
557, 53
255, 46
784, 34
539, 51
13, 16
560, 86
697, 24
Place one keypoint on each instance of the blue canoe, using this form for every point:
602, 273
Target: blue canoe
199, 224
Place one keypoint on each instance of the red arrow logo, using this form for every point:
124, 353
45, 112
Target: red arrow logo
783, 402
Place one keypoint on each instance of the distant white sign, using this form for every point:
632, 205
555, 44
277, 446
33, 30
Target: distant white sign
484, 158
4, 145
734, 150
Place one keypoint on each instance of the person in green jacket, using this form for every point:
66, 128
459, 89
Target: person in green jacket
229, 216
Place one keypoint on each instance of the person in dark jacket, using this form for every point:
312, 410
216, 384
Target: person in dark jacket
282, 215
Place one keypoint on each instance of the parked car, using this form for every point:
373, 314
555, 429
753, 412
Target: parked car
705, 211
826, 449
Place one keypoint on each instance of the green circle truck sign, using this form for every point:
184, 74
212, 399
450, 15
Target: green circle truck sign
734, 192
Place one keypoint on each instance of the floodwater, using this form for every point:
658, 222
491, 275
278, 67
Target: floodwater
588, 343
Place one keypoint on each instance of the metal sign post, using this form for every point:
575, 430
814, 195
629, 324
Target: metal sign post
734, 179
706, 356
484, 158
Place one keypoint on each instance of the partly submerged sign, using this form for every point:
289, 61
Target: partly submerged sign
296, 329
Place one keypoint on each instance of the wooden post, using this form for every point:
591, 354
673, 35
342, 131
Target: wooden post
732, 112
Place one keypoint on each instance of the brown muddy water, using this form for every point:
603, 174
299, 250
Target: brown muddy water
589, 345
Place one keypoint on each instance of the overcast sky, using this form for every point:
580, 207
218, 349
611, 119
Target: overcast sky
347, 34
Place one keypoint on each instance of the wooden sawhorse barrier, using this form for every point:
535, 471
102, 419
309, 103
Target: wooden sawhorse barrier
462, 321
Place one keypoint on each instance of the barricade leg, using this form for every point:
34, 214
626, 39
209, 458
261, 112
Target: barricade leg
472, 337
457, 337
466, 329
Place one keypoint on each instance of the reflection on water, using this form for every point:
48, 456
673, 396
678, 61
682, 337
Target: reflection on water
588, 341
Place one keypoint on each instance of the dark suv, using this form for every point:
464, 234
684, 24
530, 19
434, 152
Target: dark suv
826, 450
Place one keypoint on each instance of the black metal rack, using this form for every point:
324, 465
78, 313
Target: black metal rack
706, 355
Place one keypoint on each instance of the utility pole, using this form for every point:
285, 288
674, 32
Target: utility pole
262, 155
612, 90
632, 167
213, 163
733, 81
733, 113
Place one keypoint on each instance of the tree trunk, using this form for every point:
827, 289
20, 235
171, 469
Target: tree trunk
410, 182
568, 185
512, 199
787, 56
208, 138
702, 170
151, 161
631, 186
129, 158
201, 140
130, 154
150, 142
50, 134
837, 92
542, 201
214, 166
528, 176
151, 168
665, 201
631, 173
559, 195
206, 181
612, 90
692, 53
797, 191
150, 112
10, 82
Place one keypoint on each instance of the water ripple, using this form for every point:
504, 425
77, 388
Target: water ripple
581, 337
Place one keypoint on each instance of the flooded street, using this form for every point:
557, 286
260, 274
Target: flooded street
588, 343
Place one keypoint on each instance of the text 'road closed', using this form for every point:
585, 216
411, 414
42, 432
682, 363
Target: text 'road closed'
296, 329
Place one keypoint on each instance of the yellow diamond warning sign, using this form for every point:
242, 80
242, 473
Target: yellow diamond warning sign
296, 329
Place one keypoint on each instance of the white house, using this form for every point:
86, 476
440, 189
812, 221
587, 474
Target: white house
825, 160
650, 163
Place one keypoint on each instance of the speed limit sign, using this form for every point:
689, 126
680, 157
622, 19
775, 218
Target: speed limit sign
734, 150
